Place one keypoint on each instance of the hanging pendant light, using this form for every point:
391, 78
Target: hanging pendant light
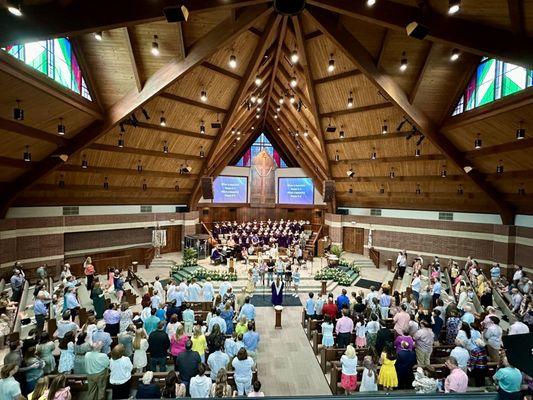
155, 46
477, 142
106, 183
84, 163
18, 112
165, 147
337, 156
382, 189
145, 186
443, 172
232, 61
27, 155
163, 120
331, 63
417, 152
499, 167
392, 174
139, 167
374, 155
403, 62
121, 141
61, 130
521, 131
350, 101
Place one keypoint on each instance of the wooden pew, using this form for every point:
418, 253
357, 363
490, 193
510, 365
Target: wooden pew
21, 307
475, 300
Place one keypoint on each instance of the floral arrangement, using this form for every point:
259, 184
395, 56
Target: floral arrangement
202, 273
190, 257
349, 265
336, 250
333, 274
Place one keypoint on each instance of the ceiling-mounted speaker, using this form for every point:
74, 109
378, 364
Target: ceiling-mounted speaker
289, 7
329, 191
417, 30
178, 13
216, 125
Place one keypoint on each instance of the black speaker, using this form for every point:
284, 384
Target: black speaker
177, 13
417, 30
182, 209
207, 187
329, 191
519, 349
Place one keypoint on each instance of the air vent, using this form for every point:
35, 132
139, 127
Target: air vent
376, 212
71, 210
146, 209
446, 216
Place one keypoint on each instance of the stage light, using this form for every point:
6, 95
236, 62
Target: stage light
61, 130
281, 100
106, 183
520, 132
258, 81
155, 47
350, 101
337, 156
403, 62
145, 114
453, 6
460, 190
293, 82
84, 163
455, 55
443, 172
294, 57
165, 147
417, 152
139, 167
370, 3
331, 63
499, 167
478, 142
121, 141
27, 155
163, 120
232, 61
374, 155
16, 10
202, 128
98, 36
18, 112
384, 128
350, 190
202, 152
292, 99
203, 96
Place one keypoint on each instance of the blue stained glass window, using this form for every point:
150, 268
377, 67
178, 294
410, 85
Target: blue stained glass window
493, 80
54, 58
261, 143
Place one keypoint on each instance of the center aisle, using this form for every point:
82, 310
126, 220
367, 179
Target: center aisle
286, 363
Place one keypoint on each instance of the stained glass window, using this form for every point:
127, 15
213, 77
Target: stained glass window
56, 59
261, 143
493, 80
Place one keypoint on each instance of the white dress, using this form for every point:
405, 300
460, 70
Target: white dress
139, 356
368, 383
126, 318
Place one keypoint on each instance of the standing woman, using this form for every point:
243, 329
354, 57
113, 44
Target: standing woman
59, 389
88, 269
387, 374
45, 348
140, 345
119, 286
296, 279
66, 359
97, 296
228, 314
277, 292
349, 370
242, 364
126, 316
177, 343
120, 368
32, 374
80, 349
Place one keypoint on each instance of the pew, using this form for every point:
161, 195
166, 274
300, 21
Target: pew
475, 300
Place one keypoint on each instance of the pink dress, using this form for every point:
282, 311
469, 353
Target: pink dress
178, 346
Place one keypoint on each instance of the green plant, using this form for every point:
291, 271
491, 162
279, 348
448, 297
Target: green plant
190, 257
202, 273
336, 250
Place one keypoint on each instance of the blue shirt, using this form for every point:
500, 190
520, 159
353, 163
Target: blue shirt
247, 310
151, 323
71, 301
10, 388
509, 379
250, 340
39, 308
217, 320
243, 369
310, 306
468, 318
437, 287
216, 361
105, 338
495, 272
342, 300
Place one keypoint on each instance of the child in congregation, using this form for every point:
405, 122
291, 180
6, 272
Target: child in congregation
310, 306
387, 374
327, 332
368, 378
199, 342
242, 326
372, 328
188, 319
296, 278
360, 333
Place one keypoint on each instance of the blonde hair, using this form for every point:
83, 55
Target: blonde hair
180, 331
139, 335
350, 351
197, 331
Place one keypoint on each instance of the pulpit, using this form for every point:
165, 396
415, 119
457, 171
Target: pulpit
278, 310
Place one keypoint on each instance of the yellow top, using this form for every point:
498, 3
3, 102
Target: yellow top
199, 344
241, 328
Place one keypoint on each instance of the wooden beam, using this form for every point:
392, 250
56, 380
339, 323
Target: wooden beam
181, 40
355, 110
522, 175
515, 145
421, 73
28, 131
516, 15
194, 103
19, 70
14, 162
238, 98
371, 138
389, 88
315, 112
112, 188
126, 172
383, 48
179, 199
411, 195
508, 103
128, 35
143, 152
381, 160
467, 35
67, 19
412, 178
221, 70
342, 75
220, 36
312, 35
175, 131
423, 205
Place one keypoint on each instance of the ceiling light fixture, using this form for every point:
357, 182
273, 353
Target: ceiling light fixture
258, 80
202, 152
306, 133
293, 82
281, 100
18, 112
278, 109
418, 191
145, 186
478, 142
337, 156
257, 116
331, 63
121, 126
521, 131
374, 155
294, 56
350, 173
382, 189
455, 55
275, 116
253, 99
15, 10
292, 99
403, 62
499, 167
392, 174
106, 183
350, 101
139, 167
61, 130
165, 147
202, 128
443, 172
259, 100
121, 141
522, 189
27, 155
163, 120
232, 61
84, 163
370, 3
453, 6
203, 96
384, 127
155, 47
417, 152
98, 36
460, 190
341, 134
278, 128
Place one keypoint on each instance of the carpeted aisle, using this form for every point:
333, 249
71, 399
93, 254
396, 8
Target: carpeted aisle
260, 300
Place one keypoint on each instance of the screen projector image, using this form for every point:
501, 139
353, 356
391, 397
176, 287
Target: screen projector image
295, 191
230, 189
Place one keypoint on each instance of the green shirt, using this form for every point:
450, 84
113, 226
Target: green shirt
95, 362
151, 323
509, 379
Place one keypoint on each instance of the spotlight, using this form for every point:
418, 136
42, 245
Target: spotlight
384, 128
84, 163
443, 172
27, 155
61, 130
258, 81
145, 186
331, 63
292, 99
520, 132
337, 156
499, 167
453, 6
341, 135
350, 173
202, 152
294, 57
293, 82
106, 183
417, 152
350, 101
15, 10
202, 128
139, 167
374, 155
259, 100
18, 112
98, 36
281, 100
203, 96
122, 129
121, 141
403, 62
460, 190
382, 189
392, 174
165, 147
455, 55
232, 61
370, 3
163, 120
155, 47
216, 125
145, 114
477, 142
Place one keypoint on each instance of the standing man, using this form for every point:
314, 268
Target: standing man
343, 301
41, 311
159, 344
509, 380
437, 288
423, 344
344, 329
17, 284
457, 381
96, 366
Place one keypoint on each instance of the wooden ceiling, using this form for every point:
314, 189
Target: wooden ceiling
366, 44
